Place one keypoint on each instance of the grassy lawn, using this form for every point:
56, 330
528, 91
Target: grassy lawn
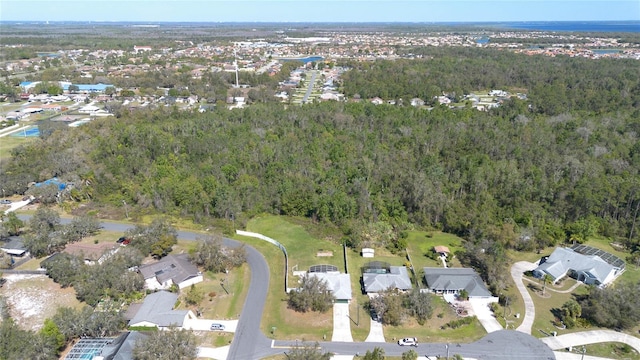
218, 303
420, 245
607, 350
9, 142
302, 248
432, 330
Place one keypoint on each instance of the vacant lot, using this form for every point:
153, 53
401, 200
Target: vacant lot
33, 298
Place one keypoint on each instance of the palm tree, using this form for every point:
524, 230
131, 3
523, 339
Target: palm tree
545, 279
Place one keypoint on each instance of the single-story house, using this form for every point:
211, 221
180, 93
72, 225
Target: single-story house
380, 278
157, 311
339, 284
13, 246
170, 270
453, 280
121, 348
590, 269
92, 253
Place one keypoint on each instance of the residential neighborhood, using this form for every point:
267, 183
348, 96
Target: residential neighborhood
318, 191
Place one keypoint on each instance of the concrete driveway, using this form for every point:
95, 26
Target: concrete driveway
205, 325
517, 270
219, 353
341, 323
375, 332
18, 204
481, 309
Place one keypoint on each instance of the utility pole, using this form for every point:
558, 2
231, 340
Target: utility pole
584, 350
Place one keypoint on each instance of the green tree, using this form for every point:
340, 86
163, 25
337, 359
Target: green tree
44, 220
410, 355
13, 224
167, 345
546, 278
156, 239
211, 255
307, 351
418, 305
312, 295
570, 312
52, 334
376, 354
194, 296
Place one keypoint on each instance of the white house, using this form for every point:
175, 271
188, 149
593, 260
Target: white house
378, 277
170, 270
583, 263
454, 280
338, 284
157, 311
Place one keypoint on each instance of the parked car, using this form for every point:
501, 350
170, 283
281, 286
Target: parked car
5, 201
408, 342
216, 326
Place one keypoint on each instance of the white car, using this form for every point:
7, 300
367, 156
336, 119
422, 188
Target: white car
408, 342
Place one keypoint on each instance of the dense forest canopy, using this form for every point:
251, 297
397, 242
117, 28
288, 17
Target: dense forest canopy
565, 166
555, 85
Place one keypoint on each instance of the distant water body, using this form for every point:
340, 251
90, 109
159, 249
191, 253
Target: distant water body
576, 26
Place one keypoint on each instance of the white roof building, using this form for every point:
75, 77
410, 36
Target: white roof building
338, 284
590, 269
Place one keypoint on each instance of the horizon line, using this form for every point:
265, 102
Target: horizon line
318, 22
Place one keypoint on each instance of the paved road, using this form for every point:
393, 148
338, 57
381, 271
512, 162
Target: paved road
499, 345
590, 337
249, 343
312, 83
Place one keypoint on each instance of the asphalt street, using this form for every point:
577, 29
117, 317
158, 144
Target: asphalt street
249, 343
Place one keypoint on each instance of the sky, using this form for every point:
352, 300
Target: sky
319, 10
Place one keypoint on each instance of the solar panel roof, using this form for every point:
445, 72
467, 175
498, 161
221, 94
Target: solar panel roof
608, 257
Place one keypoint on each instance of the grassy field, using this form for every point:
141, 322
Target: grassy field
9, 142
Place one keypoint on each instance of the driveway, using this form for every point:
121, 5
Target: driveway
517, 270
483, 312
205, 325
341, 323
590, 337
219, 353
17, 205
375, 332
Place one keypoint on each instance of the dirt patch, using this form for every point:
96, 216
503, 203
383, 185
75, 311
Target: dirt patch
34, 298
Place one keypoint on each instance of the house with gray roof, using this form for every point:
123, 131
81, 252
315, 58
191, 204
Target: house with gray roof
157, 311
453, 280
378, 277
590, 269
338, 284
13, 246
170, 270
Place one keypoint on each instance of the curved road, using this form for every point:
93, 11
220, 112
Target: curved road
249, 343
